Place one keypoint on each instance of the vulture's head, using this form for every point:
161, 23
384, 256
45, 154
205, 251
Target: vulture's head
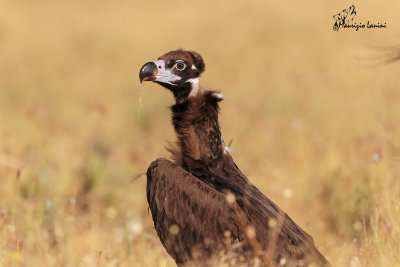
178, 71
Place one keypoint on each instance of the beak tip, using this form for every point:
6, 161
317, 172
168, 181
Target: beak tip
147, 71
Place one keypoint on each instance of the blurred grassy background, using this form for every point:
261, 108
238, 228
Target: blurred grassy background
313, 127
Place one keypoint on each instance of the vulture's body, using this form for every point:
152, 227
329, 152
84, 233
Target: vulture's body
202, 205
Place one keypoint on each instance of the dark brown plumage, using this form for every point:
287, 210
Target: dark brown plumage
202, 204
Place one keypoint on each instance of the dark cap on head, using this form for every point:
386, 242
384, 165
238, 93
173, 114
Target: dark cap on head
177, 71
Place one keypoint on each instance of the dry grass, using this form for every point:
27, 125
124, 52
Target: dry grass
315, 129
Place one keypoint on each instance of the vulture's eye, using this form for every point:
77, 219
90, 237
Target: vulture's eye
180, 66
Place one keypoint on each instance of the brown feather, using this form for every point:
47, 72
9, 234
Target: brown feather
203, 196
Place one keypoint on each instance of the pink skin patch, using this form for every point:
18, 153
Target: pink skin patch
164, 75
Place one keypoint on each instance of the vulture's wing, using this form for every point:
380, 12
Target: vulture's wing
292, 243
192, 219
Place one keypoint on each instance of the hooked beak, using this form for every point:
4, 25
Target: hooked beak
155, 71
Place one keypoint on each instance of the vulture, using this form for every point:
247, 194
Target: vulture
203, 207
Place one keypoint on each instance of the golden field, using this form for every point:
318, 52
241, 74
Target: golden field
314, 124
